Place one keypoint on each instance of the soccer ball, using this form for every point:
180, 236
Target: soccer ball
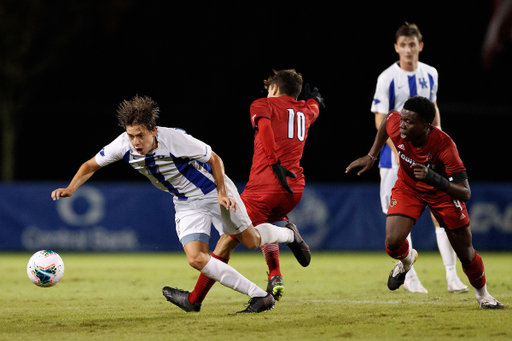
45, 268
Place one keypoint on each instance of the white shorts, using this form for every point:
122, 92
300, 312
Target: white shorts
195, 217
388, 177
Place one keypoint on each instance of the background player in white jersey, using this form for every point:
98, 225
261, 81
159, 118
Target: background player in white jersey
188, 169
404, 79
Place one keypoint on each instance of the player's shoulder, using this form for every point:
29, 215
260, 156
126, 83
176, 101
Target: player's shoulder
168, 131
427, 67
389, 72
442, 138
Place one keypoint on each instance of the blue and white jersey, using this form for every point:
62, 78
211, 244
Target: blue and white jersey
177, 166
395, 86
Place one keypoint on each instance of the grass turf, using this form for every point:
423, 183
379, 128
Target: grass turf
339, 296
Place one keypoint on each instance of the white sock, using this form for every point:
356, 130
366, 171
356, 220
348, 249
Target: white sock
447, 253
274, 234
408, 261
481, 292
229, 277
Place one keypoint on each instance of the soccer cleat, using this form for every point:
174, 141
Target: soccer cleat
275, 287
179, 298
299, 247
413, 284
397, 275
455, 286
489, 302
259, 304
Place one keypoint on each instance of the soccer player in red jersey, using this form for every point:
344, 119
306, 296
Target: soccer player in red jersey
276, 181
431, 174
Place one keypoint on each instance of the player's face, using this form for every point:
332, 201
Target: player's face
408, 48
142, 139
412, 127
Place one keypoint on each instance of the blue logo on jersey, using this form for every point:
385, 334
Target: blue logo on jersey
376, 101
102, 153
423, 83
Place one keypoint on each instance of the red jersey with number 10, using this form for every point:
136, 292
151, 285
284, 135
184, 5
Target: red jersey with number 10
290, 121
440, 154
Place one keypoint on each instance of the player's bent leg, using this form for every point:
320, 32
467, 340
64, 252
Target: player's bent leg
397, 246
229, 277
253, 237
225, 246
203, 284
473, 266
197, 254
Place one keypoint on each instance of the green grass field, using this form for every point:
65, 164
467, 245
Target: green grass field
339, 296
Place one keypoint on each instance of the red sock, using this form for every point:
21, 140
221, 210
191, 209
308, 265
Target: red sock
401, 252
475, 272
203, 284
271, 253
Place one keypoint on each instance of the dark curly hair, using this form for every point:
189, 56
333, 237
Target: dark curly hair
288, 81
425, 109
139, 111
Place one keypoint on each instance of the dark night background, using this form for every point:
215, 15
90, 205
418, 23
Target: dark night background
204, 65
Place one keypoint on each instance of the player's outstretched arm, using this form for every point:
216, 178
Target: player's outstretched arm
84, 173
366, 162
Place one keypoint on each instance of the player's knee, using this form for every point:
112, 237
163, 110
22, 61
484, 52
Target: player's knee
393, 243
198, 261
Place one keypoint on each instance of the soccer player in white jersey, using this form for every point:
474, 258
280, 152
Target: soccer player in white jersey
188, 169
402, 80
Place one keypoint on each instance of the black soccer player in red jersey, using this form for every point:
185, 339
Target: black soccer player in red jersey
431, 174
276, 181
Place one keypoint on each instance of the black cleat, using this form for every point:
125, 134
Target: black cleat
275, 287
179, 298
259, 304
397, 275
299, 247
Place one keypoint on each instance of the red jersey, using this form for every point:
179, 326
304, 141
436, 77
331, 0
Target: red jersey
290, 121
440, 154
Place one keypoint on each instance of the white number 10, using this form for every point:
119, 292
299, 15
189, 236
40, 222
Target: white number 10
301, 125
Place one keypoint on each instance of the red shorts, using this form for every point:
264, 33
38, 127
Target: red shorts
450, 213
268, 208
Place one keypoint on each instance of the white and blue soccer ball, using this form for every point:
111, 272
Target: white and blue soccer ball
45, 268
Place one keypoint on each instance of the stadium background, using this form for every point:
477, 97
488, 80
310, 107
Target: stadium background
67, 67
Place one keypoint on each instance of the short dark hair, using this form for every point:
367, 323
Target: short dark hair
288, 81
408, 30
139, 111
425, 109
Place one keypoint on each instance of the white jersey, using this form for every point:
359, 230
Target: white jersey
395, 86
177, 166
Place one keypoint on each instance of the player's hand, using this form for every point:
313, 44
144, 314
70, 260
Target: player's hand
227, 202
365, 162
61, 193
314, 95
420, 171
281, 174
